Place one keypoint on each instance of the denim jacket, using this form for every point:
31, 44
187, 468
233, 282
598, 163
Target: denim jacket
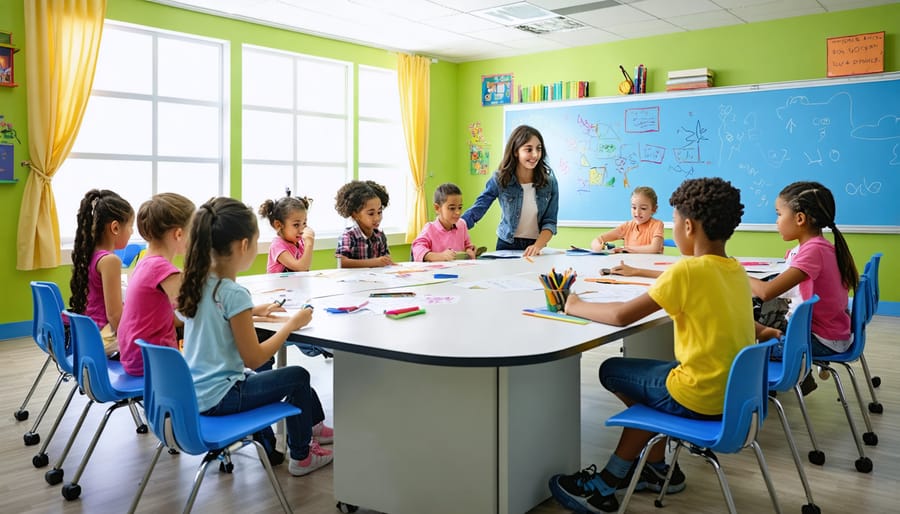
547, 199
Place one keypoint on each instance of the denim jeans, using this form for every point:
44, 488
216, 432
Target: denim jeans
644, 381
517, 244
290, 384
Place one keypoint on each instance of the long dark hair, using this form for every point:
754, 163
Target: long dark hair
217, 223
817, 203
507, 170
98, 208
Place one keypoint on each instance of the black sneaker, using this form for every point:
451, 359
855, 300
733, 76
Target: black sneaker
655, 479
808, 385
581, 491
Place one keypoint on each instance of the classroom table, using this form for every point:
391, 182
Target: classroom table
470, 407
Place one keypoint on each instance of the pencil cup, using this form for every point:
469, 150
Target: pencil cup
556, 299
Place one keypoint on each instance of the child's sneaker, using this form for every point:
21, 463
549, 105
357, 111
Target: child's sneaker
318, 457
323, 433
655, 479
584, 491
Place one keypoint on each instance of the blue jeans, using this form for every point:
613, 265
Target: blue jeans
644, 381
290, 384
820, 350
517, 244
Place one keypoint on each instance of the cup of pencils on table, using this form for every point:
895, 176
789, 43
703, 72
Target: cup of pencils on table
557, 287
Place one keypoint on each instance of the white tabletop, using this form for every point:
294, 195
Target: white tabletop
470, 321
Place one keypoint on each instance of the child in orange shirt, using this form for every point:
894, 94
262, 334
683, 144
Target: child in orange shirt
642, 234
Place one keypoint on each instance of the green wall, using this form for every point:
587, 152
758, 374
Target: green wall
742, 54
776, 51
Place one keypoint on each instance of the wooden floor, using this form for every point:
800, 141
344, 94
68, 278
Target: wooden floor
121, 455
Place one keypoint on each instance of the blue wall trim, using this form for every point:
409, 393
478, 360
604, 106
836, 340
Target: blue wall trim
889, 308
23, 328
15, 330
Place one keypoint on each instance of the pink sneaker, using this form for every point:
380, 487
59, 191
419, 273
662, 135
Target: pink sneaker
323, 433
318, 457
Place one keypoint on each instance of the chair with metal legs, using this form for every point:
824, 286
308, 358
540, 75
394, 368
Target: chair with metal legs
742, 418
103, 381
172, 412
787, 374
861, 299
50, 330
871, 272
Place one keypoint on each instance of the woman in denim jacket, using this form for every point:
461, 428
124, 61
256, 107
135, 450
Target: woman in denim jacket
528, 194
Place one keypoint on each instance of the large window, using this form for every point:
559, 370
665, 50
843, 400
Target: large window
156, 122
298, 129
382, 148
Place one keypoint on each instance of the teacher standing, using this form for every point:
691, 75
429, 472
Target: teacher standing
528, 194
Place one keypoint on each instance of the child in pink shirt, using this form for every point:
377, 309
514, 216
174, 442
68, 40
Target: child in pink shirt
152, 293
292, 247
105, 223
443, 238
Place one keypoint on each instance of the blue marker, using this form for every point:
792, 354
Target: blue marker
445, 275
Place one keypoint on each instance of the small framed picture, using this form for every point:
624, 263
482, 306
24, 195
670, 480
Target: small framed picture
6, 66
496, 89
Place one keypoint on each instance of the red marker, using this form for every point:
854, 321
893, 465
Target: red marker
401, 311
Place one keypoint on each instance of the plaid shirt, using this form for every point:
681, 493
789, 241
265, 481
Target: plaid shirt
354, 245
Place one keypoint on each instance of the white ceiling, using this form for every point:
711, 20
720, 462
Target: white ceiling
447, 30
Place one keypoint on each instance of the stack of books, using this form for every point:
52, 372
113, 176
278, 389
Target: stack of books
697, 78
561, 90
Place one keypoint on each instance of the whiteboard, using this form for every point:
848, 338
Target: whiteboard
844, 133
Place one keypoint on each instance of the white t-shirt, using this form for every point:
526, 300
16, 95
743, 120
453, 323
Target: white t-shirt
528, 217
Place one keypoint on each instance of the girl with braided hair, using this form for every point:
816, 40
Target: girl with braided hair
105, 223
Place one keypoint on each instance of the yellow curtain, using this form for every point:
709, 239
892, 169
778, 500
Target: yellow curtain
414, 77
62, 41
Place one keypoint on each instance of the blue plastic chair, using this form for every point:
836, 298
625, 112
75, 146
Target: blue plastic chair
670, 243
50, 335
786, 375
858, 328
742, 418
170, 402
130, 253
47, 304
871, 272
103, 381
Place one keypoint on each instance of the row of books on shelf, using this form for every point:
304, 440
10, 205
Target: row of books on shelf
696, 78
561, 90
640, 80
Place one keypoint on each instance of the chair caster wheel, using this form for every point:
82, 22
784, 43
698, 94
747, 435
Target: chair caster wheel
142, 429
346, 507
71, 491
658, 504
226, 468
870, 438
173, 451
811, 508
31, 438
21, 415
876, 381
864, 465
40, 460
876, 408
54, 476
817, 457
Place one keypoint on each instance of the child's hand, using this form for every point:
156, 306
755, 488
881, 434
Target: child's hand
767, 333
447, 255
384, 260
471, 253
624, 269
301, 318
265, 310
571, 301
619, 249
308, 233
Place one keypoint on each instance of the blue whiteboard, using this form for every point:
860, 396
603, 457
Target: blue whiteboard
844, 133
